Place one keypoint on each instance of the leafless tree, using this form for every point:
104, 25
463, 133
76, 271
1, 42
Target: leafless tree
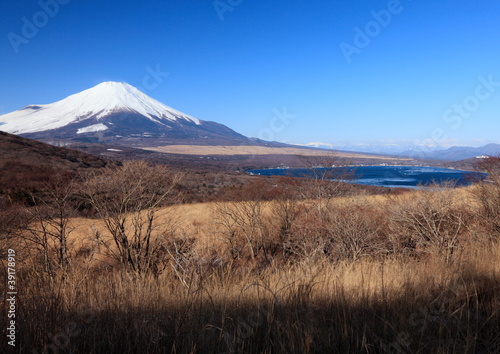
12, 221
127, 199
326, 181
47, 226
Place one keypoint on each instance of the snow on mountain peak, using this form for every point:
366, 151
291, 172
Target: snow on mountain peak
103, 99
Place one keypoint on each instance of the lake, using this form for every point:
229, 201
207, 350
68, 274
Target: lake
382, 176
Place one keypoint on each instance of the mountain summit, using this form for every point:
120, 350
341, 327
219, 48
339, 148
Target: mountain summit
115, 112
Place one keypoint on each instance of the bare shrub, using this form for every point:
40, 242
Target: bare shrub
181, 258
487, 196
127, 200
353, 232
305, 240
47, 229
325, 185
12, 221
433, 221
285, 209
244, 222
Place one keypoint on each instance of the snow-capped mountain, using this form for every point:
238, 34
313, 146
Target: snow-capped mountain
114, 112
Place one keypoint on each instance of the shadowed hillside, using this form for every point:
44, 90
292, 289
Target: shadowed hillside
28, 163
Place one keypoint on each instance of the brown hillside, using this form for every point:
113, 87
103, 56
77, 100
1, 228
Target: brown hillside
26, 163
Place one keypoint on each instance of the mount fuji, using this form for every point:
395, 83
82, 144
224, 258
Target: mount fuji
118, 113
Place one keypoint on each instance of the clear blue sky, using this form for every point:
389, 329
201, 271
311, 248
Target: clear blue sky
419, 74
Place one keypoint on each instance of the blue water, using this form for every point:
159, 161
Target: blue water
383, 176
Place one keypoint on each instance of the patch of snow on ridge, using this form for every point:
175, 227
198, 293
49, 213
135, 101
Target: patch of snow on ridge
92, 128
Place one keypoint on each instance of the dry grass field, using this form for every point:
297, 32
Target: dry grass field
261, 150
306, 271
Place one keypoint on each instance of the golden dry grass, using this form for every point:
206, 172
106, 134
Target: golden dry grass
260, 150
374, 305
307, 308
198, 220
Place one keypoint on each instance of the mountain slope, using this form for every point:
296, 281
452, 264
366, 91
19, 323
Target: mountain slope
28, 163
118, 113
457, 153
31, 152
